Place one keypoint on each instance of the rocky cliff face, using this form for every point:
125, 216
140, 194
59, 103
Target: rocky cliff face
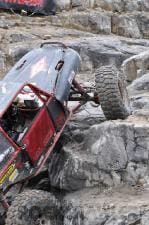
101, 170
107, 154
122, 17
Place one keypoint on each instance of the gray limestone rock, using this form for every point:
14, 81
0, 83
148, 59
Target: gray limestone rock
14, 37
136, 66
63, 4
132, 5
143, 24
145, 5
110, 5
96, 157
140, 85
133, 25
120, 206
125, 26
123, 5
139, 95
2, 60
83, 3
145, 219
106, 155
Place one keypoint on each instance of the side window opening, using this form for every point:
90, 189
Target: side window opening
20, 114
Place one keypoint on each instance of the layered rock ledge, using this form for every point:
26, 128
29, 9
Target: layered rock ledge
101, 171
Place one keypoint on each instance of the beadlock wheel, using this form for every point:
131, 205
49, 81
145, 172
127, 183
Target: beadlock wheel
34, 207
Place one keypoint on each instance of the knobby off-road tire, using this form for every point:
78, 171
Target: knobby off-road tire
34, 207
112, 93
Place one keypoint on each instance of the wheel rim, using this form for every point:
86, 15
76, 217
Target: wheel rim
37, 218
43, 221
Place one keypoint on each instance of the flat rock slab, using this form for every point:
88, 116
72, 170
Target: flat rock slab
108, 154
121, 206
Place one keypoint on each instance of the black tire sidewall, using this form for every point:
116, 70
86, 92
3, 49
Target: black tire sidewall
107, 86
21, 209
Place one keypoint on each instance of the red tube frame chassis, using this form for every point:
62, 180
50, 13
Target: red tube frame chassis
84, 98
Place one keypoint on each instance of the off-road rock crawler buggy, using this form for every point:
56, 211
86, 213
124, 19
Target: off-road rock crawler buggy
34, 110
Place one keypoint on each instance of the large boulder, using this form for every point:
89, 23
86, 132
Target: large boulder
96, 52
136, 66
139, 95
140, 85
125, 26
107, 154
143, 24
63, 4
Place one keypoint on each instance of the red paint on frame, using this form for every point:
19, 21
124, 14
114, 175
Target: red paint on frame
38, 135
